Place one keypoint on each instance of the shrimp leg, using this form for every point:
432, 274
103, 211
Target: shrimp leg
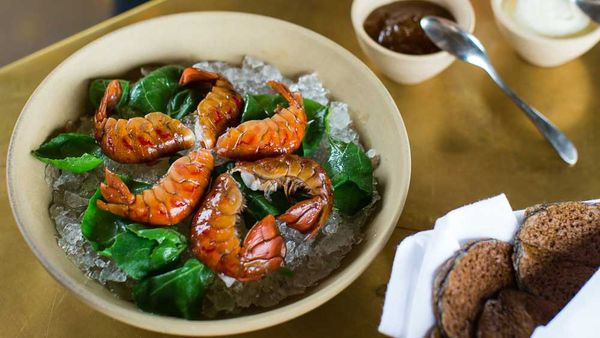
293, 172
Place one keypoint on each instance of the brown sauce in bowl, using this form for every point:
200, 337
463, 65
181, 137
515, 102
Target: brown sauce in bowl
396, 26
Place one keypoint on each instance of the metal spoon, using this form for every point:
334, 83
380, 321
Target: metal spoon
590, 7
448, 36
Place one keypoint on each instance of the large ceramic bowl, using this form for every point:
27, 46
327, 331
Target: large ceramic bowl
201, 36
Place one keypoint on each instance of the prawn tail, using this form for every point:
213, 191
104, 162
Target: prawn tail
117, 209
263, 249
304, 216
109, 101
115, 190
192, 74
292, 98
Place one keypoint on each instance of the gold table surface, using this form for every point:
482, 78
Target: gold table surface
468, 142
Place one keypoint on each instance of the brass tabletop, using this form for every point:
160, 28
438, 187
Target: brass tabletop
468, 142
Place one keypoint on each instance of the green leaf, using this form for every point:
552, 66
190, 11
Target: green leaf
176, 293
258, 107
286, 272
101, 227
351, 174
73, 152
170, 242
316, 115
141, 251
258, 206
153, 92
183, 103
349, 199
98, 87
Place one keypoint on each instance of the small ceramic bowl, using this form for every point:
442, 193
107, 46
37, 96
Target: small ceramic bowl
540, 50
224, 36
406, 68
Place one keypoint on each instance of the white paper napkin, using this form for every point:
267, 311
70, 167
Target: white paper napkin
407, 261
407, 310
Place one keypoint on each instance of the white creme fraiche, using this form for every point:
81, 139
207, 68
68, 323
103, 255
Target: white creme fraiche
552, 18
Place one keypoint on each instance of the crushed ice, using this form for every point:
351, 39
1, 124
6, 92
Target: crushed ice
69, 201
309, 261
340, 123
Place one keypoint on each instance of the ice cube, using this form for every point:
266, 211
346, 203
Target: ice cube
91, 183
373, 155
311, 88
340, 123
75, 200
68, 181
111, 272
51, 174
144, 172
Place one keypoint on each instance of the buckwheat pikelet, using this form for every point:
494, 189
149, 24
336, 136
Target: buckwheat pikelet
557, 249
513, 314
478, 271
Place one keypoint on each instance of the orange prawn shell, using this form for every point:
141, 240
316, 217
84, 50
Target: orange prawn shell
168, 202
138, 139
216, 243
214, 238
220, 108
279, 134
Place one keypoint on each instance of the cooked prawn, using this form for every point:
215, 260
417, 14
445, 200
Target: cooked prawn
217, 244
169, 201
279, 134
219, 109
138, 139
292, 172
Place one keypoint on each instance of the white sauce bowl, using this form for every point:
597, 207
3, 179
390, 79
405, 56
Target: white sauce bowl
541, 50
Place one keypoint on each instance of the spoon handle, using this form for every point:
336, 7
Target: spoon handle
559, 141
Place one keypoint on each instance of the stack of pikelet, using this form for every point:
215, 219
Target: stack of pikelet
491, 288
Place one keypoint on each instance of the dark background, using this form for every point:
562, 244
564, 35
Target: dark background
29, 25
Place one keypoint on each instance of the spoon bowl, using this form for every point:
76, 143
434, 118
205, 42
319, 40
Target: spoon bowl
451, 38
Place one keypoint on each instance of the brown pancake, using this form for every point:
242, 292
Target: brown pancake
557, 249
514, 314
466, 281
